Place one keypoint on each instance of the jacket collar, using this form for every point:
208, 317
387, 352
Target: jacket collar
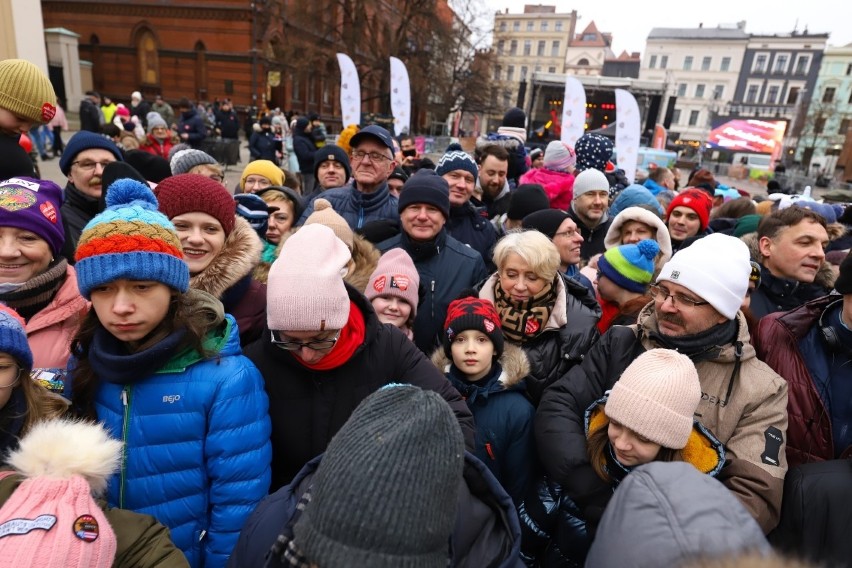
236, 260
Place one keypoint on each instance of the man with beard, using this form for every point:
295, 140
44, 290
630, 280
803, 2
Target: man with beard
588, 209
696, 305
492, 182
83, 162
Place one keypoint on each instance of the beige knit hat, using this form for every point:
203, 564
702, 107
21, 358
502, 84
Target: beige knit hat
656, 397
26, 91
324, 214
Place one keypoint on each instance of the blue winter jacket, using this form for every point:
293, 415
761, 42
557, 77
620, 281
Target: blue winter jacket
197, 451
358, 208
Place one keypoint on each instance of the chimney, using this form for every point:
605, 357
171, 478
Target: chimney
701, 24
741, 24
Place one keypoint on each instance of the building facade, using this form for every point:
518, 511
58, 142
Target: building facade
588, 51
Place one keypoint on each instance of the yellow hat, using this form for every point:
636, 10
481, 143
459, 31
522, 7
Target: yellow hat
26, 91
263, 168
324, 214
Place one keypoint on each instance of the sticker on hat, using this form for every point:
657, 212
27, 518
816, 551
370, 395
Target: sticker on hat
86, 528
24, 526
400, 282
48, 111
489, 325
14, 198
379, 284
675, 274
20, 182
49, 211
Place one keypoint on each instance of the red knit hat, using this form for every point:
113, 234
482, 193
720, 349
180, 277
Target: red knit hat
188, 193
695, 199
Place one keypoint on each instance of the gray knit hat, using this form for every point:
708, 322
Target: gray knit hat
185, 160
387, 489
154, 120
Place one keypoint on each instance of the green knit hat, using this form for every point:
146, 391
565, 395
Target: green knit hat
630, 266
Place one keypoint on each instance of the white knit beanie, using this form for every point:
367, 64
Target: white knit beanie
590, 180
656, 397
305, 290
716, 268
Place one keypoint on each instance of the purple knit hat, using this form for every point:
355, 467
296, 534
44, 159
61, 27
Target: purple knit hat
33, 205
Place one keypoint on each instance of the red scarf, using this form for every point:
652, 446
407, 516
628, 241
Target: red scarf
351, 337
609, 312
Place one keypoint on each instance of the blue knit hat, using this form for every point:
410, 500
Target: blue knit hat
633, 195
593, 152
131, 240
13, 338
456, 159
630, 266
85, 140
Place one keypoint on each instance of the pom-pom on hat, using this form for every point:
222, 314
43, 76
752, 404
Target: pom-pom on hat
324, 214
305, 290
395, 276
131, 240
33, 205
473, 313
656, 397
13, 337
559, 156
630, 266
188, 193
456, 159
263, 168
185, 160
695, 199
25, 91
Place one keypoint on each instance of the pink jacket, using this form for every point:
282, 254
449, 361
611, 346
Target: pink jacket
50, 331
559, 186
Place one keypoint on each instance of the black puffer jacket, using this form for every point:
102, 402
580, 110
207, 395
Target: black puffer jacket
569, 334
470, 226
77, 210
308, 407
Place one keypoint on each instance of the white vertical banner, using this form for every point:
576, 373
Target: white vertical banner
627, 132
350, 91
400, 96
573, 111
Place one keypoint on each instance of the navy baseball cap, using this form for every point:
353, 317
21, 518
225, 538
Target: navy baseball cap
373, 131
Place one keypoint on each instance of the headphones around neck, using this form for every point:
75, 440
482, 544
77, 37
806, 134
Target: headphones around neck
829, 334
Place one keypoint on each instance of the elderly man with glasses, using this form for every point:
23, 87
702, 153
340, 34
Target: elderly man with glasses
367, 197
695, 310
324, 350
83, 161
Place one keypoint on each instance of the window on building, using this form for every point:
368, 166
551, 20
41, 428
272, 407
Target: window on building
751, 93
793, 95
772, 94
544, 26
780, 64
726, 64
510, 73
653, 63
551, 69
538, 68
844, 126
502, 29
516, 26
493, 97
759, 63
498, 71
524, 71
828, 95
527, 47
802, 64
530, 26
558, 26
583, 62
693, 117
297, 87
590, 37
541, 46
513, 47
554, 48
849, 69
664, 61
676, 116
312, 89
687, 63
501, 46
699, 91
718, 92
705, 63
681, 90
507, 99
819, 125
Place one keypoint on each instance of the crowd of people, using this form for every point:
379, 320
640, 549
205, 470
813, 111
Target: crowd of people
359, 356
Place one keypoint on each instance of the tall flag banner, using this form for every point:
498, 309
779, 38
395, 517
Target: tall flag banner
627, 132
350, 91
573, 111
400, 96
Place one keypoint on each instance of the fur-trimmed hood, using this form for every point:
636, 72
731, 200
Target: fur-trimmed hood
237, 259
513, 362
825, 275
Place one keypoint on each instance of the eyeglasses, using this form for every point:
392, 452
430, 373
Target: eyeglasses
10, 376
568, 233
315, 344
217, 177
359, 155
88, 166
678, 300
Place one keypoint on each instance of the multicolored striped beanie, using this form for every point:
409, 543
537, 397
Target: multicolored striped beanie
630, 266
130, 240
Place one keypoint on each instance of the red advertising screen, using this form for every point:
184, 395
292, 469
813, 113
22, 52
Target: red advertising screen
748, 135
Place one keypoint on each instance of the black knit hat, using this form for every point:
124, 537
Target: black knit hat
15, 162
153, 168
332, 153
843, 284
527, 198
515, 118
472, 312
387, 489
425, 186
546, 221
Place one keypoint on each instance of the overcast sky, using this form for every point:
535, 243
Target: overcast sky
630, 21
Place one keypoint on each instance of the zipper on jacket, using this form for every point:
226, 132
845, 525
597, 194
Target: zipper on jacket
125, 401
432, 302
360, 217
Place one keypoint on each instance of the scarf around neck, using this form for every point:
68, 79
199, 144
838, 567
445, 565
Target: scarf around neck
523, 321
351, 337
36, 293
113, 363
700, 346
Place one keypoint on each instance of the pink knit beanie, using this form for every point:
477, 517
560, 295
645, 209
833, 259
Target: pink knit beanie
395, 275
305, 290
656, 397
